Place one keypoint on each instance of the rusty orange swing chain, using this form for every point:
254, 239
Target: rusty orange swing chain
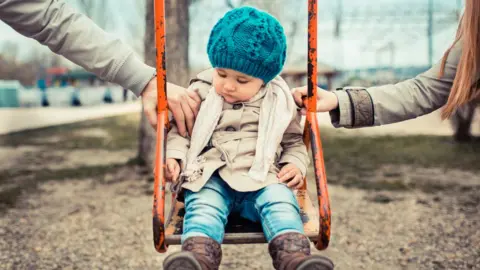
162, 124
311, 125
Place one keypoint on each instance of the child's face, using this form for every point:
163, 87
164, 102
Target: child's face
235, 86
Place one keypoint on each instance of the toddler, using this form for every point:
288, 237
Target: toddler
246, 152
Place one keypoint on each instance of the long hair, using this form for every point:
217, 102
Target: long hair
465, 88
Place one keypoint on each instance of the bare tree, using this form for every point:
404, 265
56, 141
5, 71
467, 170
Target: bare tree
177, 28
462, 121
25, 72
9, 50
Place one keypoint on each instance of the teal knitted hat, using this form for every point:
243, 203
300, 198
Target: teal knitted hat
249, 41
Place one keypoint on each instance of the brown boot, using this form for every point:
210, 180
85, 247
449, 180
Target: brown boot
198, 253
291, 251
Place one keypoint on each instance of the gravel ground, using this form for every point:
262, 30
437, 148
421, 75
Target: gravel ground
69, 212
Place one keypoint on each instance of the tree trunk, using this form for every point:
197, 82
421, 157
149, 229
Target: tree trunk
177, 24
462, 121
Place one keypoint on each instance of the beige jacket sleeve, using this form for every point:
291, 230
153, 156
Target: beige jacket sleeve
76, 37
397, 102
294, 150
177, 145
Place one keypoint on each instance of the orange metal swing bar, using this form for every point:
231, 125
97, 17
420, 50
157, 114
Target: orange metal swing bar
311, 125
312, 134
162, 128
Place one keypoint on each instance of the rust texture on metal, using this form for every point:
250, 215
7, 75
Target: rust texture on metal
321, 182
160, 40
312, 56
162, 123
308, 213
159, 186
314, 132
306, 141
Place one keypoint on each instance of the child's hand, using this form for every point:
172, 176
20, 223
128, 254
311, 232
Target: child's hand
291, 174
326, 100
172, 170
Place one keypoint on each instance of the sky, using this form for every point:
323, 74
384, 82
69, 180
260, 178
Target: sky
369, 26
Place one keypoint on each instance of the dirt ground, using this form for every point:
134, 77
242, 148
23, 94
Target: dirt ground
71, 198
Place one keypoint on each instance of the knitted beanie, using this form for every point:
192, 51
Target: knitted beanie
249, 41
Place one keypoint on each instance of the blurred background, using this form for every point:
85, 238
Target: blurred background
76, 153
374, 43
360, 43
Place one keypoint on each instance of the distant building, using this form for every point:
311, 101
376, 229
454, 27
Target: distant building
9, 93
62, 77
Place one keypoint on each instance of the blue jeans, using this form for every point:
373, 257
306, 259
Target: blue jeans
206, 211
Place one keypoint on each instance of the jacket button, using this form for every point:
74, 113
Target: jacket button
222, 158
237, 106
230, 128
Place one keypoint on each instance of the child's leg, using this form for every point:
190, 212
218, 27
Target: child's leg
278, 211
206, 213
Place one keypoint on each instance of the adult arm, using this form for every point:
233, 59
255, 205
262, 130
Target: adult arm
393, 103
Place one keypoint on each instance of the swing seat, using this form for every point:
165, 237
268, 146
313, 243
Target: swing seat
316, 222
243, 231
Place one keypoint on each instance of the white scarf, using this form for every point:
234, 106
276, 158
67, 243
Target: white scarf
276, 112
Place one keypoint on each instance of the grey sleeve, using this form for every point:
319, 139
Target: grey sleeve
393, 103
77, 38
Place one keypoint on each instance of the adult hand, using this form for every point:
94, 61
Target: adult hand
183, 104
326, 100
